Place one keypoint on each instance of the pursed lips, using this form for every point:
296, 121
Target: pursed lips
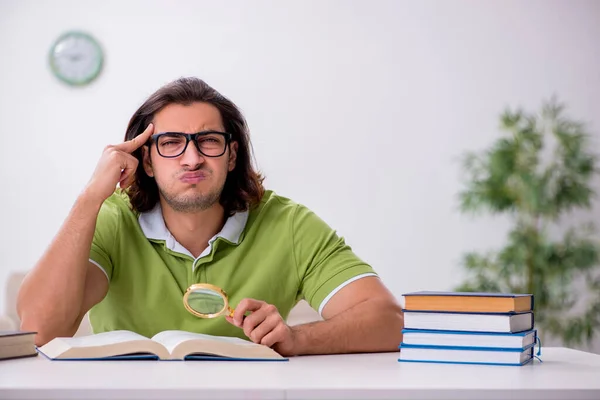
193, 177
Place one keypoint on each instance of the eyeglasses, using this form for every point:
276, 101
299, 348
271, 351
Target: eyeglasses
174, 144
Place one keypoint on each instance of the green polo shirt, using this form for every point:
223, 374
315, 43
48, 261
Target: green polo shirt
279, 252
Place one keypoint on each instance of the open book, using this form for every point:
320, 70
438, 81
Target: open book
167, 345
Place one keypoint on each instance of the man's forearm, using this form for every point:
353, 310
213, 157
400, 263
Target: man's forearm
371, 326
50, 298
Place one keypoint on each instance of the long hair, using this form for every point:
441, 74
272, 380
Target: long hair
243, 186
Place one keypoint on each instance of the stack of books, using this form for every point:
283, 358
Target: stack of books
17, 344
468, 328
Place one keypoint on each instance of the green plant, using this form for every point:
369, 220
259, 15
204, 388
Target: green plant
538, 173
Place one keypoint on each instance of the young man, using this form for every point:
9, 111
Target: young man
190, 208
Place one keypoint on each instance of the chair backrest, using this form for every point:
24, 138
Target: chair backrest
10, 299
302, 313
13, 284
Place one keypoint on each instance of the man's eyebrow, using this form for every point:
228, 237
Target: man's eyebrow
212, 128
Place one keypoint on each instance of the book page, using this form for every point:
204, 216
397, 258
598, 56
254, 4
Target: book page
106, 344
101, 339
171, 339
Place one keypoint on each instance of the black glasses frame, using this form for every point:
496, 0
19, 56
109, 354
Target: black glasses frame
192, 137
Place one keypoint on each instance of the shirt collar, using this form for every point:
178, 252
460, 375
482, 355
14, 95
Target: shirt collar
153, 226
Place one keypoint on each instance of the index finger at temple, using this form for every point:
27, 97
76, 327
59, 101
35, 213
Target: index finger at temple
138, 141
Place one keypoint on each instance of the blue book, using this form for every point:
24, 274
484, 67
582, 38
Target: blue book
164, 346
484, 302
423, 337
466, 355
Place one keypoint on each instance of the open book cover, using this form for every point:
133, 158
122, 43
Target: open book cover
167, 345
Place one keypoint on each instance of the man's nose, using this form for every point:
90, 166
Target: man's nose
192, 156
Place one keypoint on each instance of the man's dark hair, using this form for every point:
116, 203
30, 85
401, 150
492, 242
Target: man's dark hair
243, 187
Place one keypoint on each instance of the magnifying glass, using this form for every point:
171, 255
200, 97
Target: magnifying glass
206, 301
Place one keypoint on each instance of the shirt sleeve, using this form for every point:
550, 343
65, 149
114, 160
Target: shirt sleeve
325, 262
103, 242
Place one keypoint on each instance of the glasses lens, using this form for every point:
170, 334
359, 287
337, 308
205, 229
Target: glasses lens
171, 144
212, 144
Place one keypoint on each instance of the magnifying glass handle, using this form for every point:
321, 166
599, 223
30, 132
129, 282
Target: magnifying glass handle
230, 311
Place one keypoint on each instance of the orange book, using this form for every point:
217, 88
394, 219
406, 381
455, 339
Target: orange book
476, 302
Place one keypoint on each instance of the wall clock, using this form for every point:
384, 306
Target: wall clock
76, 58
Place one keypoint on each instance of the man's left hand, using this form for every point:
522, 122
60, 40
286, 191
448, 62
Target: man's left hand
264, 325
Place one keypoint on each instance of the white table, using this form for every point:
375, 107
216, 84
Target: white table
564, 374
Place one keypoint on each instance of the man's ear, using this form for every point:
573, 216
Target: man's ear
146, 161
233, 148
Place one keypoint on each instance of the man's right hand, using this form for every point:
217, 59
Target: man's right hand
116, 165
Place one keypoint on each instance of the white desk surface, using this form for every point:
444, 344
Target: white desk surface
563, 374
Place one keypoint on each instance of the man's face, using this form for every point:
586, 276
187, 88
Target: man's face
192, 181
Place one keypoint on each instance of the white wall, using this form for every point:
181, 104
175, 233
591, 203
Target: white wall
358, 109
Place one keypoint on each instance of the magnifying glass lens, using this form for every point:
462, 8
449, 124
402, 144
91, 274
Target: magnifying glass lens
206, 301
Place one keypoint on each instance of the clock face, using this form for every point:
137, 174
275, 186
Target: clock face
76, 58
